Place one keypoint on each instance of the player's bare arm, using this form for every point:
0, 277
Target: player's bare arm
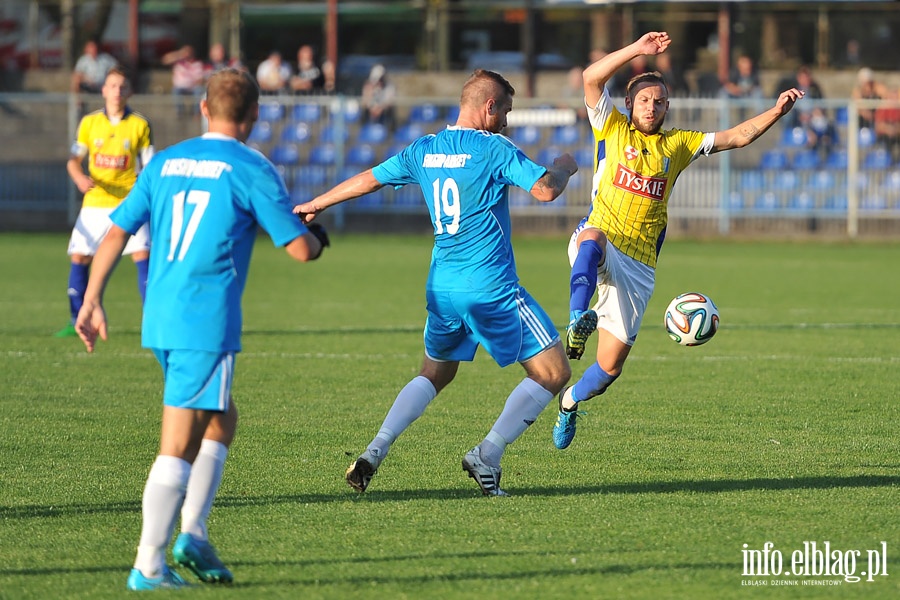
745, 133
82, 181
596, 75
91, 320
358, 185
554, 181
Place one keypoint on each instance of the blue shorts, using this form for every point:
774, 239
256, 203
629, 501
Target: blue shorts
509, 323
196, 379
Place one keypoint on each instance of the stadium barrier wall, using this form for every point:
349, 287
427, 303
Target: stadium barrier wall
776, 187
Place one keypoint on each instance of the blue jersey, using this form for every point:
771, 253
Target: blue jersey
464, 175
204, 199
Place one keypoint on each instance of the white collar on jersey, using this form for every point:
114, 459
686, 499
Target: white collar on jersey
209, 135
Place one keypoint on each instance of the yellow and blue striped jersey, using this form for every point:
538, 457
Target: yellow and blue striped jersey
116, 152
632, 185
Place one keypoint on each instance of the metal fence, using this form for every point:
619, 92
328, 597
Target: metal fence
780, 185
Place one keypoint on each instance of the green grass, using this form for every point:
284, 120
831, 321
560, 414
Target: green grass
783, 428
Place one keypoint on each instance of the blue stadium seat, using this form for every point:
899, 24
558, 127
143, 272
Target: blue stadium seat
525, 135
361, 155
822, 180
546, 155
773, 159
375, 199
310, 176
394, 149
271, 111
767, 202
752, 180
307, 113
872, 202
785, 180
794, 137
866, 137
803, 201
408, 133
892, 181
372, 133
351, 110
452, 114
841, 116
584, 157
285, 154
424, 113
566, 135
735, 201
879, 158
837, 159
837, 202
806, 159
331, 133
261, 133
322, 154
295, 133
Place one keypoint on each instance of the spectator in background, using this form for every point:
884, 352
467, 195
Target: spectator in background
309, 78
851, 58
217, 61
378, 95
674, 78
868, 89
743, 80
803, 81
887, 124
188, 77
821, 133
91, 69
273, 74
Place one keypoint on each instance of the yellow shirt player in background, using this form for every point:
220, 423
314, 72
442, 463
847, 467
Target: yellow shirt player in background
615, 248
117, 144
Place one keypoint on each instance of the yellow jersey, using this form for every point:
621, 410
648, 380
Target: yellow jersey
116, 153
632, 185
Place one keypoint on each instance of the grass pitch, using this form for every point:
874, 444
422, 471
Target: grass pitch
782, 429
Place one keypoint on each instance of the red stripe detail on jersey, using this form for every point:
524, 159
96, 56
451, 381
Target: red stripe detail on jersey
648, 187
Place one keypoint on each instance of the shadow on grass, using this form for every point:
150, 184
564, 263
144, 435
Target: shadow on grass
651, 487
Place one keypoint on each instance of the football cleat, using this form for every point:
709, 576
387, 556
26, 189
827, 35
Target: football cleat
200, 557
486, 476
360, 472
577, 333
564, 429
66, 332
169, 580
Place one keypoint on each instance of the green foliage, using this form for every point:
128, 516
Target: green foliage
783, 428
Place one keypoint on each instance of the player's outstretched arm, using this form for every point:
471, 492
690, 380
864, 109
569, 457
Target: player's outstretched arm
554, 181
91, 320
358, 185
596, 75
748, 131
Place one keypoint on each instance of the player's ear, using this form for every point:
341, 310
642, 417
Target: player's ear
204, 109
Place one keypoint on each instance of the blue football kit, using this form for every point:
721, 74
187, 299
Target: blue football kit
204, 199
473, 293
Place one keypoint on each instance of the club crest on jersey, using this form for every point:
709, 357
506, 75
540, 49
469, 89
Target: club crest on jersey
631, 152
98, 143
653, 188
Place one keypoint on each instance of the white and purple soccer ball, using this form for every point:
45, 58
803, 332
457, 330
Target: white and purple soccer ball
692, 319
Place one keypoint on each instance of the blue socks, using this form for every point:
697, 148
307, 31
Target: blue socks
78, 278
583, 280
142, 268
593, 383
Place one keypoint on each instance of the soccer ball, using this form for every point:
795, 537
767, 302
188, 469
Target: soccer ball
692, 319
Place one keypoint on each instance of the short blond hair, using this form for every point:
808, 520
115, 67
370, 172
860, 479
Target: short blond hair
231, 94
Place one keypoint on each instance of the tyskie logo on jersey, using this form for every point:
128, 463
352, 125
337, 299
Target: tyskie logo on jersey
110, 161
648, 187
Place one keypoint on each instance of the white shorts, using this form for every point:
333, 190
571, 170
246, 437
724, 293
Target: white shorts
91, 228
624, 287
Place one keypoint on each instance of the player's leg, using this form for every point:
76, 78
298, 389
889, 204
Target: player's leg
626, 290
197, 392
546, 369
138, 247
182, 432
409, 405
90, 227
586, 257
